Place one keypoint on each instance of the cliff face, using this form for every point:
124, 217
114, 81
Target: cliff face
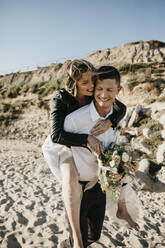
131, 53
42, 74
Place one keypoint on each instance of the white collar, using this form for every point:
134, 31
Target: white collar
95, 115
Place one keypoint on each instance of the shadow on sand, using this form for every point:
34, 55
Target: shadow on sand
147, 184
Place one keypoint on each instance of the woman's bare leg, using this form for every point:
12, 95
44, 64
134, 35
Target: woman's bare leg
122, 213
71, 192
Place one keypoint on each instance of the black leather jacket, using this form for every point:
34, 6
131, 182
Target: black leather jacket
63, 104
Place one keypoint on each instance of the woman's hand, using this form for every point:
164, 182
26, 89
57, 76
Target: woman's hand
95, 144
101, 127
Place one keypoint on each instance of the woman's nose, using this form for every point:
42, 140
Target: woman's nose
91, 84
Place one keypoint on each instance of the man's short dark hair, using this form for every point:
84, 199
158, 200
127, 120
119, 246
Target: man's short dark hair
107, 72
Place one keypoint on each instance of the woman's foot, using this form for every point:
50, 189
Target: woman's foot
122, 213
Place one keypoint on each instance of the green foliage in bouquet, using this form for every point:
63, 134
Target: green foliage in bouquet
114, 164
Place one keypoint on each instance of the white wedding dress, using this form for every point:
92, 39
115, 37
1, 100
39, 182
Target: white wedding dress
51, 154
127, 194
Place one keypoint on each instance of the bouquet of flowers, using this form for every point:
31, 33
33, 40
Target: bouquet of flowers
114, 164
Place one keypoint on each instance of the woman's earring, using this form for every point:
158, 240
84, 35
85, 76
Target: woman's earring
75, 89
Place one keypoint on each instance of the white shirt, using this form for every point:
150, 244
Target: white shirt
82, 121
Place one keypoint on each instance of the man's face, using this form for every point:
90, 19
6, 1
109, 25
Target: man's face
105, 92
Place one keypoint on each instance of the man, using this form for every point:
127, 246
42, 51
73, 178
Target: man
93, 202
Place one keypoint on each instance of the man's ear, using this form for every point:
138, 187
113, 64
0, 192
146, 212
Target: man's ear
119, 88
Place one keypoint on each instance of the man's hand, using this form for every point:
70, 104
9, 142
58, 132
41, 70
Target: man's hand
95, 144
101, 127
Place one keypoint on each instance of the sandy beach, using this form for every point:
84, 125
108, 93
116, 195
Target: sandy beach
31, 207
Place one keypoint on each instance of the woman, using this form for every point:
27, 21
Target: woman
79, 92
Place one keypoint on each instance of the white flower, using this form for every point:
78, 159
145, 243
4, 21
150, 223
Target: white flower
114, 153
114, 170
112, 163
125, 157
116, 159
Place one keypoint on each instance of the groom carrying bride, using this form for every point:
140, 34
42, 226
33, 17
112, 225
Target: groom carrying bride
107, 87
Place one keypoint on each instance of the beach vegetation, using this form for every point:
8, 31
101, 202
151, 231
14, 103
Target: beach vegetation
11, 111
42, 88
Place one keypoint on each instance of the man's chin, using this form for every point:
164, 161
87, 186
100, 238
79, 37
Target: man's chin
99, 104
104, 104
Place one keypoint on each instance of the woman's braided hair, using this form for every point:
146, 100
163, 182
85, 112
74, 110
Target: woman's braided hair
75, 70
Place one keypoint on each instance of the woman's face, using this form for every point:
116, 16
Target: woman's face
85, 85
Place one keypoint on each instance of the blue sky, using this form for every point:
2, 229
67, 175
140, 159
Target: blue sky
40, 32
